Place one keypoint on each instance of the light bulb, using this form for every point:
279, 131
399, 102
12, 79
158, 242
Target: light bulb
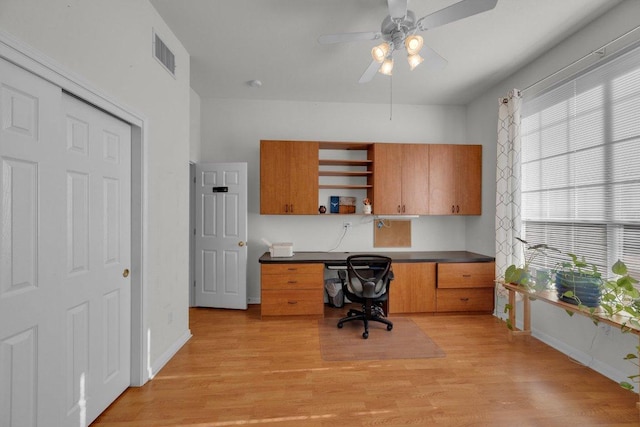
387, 67
413, 44
380, 52
414, 60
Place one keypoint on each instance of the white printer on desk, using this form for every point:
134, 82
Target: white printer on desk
278, 250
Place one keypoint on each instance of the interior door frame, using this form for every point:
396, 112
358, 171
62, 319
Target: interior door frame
19, 53
192, 234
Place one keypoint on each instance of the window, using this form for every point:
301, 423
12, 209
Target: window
581, 165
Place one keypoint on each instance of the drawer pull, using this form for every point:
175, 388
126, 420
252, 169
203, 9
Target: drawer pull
291, 282
292, 269
292, 302
466, 276
464, 299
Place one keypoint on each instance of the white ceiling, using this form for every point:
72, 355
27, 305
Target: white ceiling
275, 41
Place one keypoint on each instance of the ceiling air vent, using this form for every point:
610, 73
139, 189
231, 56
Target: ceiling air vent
164, 55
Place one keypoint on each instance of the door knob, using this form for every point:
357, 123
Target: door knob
241, 243
125, 273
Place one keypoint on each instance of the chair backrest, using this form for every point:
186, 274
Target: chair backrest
368, 275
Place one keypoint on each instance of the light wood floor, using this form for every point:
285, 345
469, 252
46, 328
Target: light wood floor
238, 370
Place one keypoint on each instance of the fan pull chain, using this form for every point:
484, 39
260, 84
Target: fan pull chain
390, 97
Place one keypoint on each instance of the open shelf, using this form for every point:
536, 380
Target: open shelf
344, 186
345, 173
333, 162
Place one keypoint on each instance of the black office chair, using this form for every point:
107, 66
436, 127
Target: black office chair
366, 281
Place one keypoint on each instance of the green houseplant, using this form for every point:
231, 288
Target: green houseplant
578, 282
620, 302
522, 275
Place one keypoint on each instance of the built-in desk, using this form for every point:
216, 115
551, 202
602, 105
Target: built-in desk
425, 282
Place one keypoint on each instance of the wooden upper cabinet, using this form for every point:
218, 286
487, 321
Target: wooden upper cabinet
288, 177
400, 179
455, 179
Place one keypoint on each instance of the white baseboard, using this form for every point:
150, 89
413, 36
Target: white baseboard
252, 300
164, 358
581, 357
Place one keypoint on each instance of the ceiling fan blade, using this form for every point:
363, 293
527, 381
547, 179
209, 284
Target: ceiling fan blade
397, 8
370, 72
456, 11
432, 59
348, 37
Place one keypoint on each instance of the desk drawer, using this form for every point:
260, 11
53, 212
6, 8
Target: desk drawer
451, 300
292, 269
292, 281
287, 303
466, 275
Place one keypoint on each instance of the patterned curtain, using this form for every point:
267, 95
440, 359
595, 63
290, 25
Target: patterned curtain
508, 183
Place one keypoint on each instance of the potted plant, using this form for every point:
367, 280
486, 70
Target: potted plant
578, 282
620, 301
620, 296
522, 275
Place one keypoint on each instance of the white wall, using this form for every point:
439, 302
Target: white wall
232, 130
576, 336
194, 134
108, 45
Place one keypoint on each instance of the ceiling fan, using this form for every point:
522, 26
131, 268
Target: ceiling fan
399, 31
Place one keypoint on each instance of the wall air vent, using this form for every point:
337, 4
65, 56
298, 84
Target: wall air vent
162, 53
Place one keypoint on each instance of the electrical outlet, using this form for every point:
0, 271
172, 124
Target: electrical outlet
347, 224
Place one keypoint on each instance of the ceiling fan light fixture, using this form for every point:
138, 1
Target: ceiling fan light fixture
414, 60
413, 44
380, 52
387, 67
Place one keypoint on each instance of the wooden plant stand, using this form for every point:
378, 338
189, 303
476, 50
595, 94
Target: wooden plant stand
551, 298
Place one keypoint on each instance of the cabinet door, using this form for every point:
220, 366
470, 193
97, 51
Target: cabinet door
469, 182
387, 179
303, 175
442, 184
413, 289
400, 179
455, 179
288, 177
415, 179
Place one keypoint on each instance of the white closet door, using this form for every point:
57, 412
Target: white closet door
32, 200
95, 292
64, 243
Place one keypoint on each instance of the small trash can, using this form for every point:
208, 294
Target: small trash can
333, 287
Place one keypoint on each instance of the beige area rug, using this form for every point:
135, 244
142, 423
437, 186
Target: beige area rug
405, 341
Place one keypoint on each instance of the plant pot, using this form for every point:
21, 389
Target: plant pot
586, 288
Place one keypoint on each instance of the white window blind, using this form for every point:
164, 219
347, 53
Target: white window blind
581, 165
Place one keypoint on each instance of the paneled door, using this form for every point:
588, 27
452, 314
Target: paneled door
64, 251
221, 235
95, 291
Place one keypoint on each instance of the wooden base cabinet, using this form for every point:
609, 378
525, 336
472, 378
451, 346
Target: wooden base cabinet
292, 289
413, 289
465, 287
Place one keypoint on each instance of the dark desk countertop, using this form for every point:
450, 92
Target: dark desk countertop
398, 257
